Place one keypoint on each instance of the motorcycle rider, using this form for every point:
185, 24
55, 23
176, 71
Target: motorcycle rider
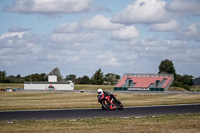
106, 93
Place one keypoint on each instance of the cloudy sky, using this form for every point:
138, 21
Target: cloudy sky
81, 36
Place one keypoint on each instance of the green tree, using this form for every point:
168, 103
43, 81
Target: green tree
36, 77
167, 67
43, 77
56, 71
19, 79
84, 80
185, 79
98, 77
3, 76
111, 78
12, 78
71, 77
18, 76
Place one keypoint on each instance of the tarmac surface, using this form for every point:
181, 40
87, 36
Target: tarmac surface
90, 113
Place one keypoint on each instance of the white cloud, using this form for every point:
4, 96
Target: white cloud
127, 33
18, 29
98, 22
73, 58
128, 57
150, 41
108, 59
76, 55
190, 33
67, 28
15, 31
13, 34
143, 11
52, 6
113, 62
92, 29
193, 53
75, 37
17, 47
185, 6
171, 26
177, 44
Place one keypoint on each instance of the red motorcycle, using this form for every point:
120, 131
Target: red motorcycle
109, 103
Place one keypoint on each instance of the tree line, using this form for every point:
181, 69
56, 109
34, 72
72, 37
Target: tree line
98, 78
166, 67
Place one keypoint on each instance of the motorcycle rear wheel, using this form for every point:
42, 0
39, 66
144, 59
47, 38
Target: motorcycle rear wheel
105, 105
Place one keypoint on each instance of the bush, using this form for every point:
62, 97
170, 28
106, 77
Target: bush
177, 84
180, 84
186, 87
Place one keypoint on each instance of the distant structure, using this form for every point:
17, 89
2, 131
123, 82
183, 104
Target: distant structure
196, 81
52, 84
144, 82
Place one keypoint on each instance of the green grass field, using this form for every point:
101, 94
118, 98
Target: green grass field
26, 100
187, 123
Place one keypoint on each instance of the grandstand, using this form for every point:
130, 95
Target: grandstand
144, 82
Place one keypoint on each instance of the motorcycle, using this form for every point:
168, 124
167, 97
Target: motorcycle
109, 103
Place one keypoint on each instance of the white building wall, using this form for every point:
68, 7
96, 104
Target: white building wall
35, 86
52, 78
46, 86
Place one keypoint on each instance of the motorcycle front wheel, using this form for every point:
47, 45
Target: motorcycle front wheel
119, 105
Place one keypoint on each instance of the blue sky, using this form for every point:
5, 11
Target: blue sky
81, 36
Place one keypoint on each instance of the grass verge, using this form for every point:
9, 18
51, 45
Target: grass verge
11, 85
176, 89
187, 123
93, 87
195, 88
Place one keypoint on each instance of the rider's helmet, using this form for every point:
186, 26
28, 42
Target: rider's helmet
100, 91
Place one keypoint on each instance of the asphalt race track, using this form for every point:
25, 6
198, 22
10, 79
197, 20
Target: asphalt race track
89, 113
